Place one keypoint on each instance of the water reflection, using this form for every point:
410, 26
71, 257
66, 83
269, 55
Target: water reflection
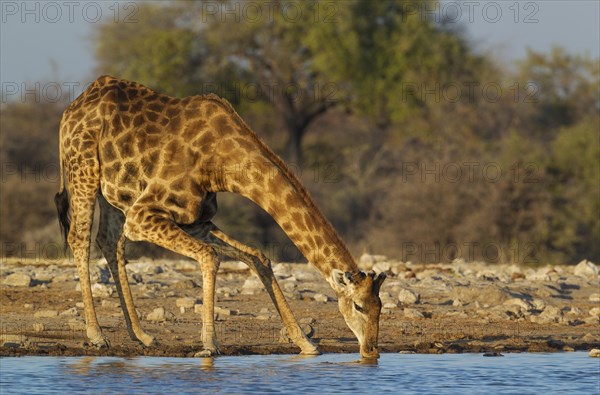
82, 366
207, 364
368, 361
330, 373
248, 370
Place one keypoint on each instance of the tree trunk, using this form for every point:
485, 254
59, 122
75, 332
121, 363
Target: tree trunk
293, 146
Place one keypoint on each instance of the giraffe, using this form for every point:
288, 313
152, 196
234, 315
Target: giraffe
155, 163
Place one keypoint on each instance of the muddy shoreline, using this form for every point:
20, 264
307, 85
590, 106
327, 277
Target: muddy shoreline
446, 308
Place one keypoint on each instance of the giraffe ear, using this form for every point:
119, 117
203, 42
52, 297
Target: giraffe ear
377, 281
338, 280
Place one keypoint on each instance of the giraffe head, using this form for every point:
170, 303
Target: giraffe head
359, 303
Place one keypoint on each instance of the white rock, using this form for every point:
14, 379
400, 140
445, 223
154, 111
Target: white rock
18, 280
159, 314
406, 296
251, 285
281, 270
186, 303
595, 298
519, 302
295, 295
594, 353
44, 277
7, 340
79, 305
289, 286
38, 327
539, 275
595, 312
366, 261
198, 308
538, 304
305, 273
390, 305
223, 311
585, 268
413, 313
380, 267
550, 315
320, 298
457, 303
228, 291
101, 290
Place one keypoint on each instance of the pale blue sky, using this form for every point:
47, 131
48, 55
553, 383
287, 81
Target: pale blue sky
58, 47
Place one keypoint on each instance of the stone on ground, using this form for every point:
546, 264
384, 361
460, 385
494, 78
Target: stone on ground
18, 280
406, 296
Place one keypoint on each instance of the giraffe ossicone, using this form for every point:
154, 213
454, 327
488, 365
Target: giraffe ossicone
155, 164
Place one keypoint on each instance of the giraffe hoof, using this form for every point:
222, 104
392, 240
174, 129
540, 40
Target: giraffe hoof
147, 340
208, 352
313, 351
101, 342
205, 354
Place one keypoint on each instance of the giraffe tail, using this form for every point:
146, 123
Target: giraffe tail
61, 199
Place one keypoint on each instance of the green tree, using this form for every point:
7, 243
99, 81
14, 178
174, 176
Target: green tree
276, 65
160, 50
386, 55
563, 88
576, 190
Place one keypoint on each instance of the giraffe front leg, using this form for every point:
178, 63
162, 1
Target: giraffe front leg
261, 265
210, 266
149, 223
296, 334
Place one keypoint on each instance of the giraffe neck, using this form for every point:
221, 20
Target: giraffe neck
264, 178
271, 185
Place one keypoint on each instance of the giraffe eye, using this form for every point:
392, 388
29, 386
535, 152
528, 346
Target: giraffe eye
358, 308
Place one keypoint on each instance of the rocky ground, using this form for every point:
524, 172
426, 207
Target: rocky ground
458, 307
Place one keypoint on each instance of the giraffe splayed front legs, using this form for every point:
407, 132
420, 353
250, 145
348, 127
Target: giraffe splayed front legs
156, 163
261, 266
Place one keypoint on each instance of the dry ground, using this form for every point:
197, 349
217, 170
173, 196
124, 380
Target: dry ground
461, 307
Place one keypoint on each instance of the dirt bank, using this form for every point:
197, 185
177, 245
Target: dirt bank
459, 307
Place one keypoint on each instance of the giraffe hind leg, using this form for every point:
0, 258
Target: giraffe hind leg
111, 241
83, 189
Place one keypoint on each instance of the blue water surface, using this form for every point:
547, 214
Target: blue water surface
564, 373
